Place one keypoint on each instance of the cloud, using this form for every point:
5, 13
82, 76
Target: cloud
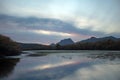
52, 33
47, 24
21, 29
96, 25
37, 30
38, 8
85, 15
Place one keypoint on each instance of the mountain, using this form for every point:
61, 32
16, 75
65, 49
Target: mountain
32, 46
52, 45
94, 39
93, 43
66, 42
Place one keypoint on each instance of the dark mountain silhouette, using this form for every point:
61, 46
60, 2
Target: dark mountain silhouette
52, 45
9, 47
65, 42
94, 39
105, 43
93, 43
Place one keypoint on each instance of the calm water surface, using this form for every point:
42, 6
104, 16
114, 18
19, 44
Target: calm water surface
61, 65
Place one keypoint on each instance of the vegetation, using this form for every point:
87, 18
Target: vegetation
31, 46
99, 45
8, 47
108, 44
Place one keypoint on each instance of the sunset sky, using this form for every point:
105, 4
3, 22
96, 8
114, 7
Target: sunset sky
48, 21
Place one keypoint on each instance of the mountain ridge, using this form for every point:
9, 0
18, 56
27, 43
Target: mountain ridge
67, 41
94, 39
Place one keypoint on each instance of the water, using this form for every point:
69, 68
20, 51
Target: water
61, 65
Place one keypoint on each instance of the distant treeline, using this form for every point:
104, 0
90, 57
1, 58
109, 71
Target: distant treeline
100, 45
8, 47
31, 46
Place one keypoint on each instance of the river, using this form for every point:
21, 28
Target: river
61, 65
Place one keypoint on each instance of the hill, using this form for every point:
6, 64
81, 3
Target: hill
32, 46
105, 43
8, 47
65, 42
94, 39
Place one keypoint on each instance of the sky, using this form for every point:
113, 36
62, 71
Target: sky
48, 21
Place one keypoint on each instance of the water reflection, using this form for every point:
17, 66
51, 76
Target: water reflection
48, 66
64, 66
107, 55
52, 71
7, 66
96, 72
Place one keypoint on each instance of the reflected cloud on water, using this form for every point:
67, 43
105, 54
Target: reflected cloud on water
72, 66
52, 72
47, 66
96, 72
